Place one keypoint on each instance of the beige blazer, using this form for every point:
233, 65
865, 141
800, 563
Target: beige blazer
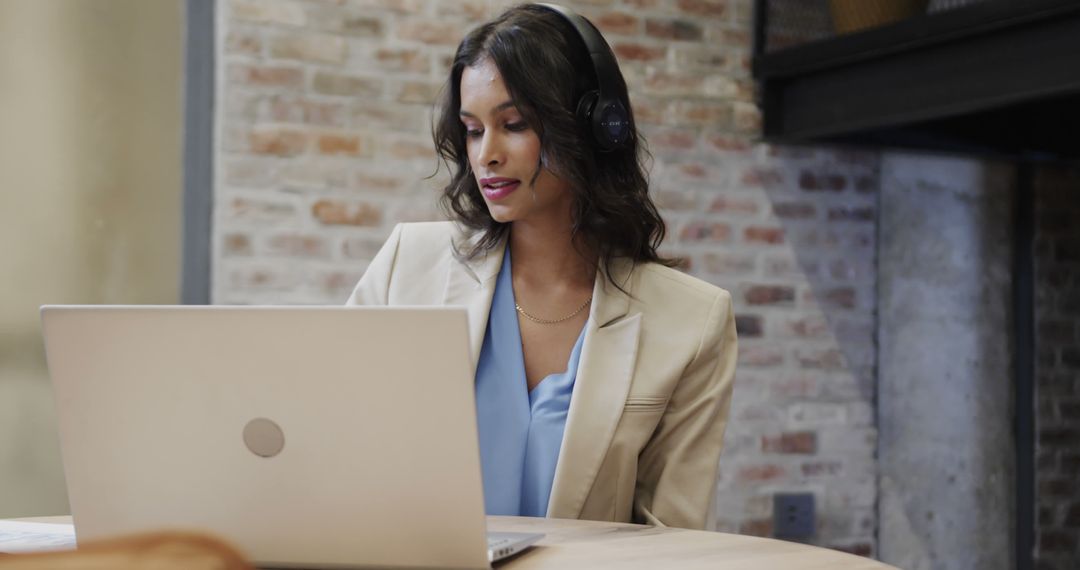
650, 402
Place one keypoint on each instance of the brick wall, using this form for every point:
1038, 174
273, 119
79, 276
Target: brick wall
1057, 367
324, 144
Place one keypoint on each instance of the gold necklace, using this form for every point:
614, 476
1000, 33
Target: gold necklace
540, 321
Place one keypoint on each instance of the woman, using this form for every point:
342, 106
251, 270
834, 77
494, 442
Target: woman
603, 376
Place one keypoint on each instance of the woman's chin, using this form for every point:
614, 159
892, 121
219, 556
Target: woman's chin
501, 214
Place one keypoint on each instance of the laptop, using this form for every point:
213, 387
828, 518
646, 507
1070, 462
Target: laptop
306, 436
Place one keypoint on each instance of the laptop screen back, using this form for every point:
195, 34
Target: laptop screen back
324, 436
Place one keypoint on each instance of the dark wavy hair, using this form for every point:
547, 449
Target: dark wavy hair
546, 68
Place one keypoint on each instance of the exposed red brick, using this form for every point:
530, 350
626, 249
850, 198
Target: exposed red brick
366, 182
418, 92
677, 200
746, 91
749, 326
245, 172
1047, 516
761, 473
277, 142
747, 118
674, 84
336, 283
760, 355
671, 138
728, 262
703, 57
319, 48
1069, 411
264, 279
759, 234
757, 177
796, 387
808, 327
290, 14
262, 210
347, 85
292, 109
803, 442
401, 6
334, 212
1072, 516
738, 38
1054, 541
649, 111
681, 30
474, 9
339, 144
709, 114
426, 31
638, 52
409, 59
769, 294
827, 359
237, 245
619, 23
819, 181
729, 204
705, 231
361, 248
361, 26
298, 245
267, 75
725, 143
243, 43
821, 468
712, 8
693, 170
757, 527
1059, 436
407, 149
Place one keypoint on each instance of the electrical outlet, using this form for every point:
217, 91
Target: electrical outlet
793, 515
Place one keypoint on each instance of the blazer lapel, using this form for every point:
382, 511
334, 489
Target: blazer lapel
471, 283
600, 390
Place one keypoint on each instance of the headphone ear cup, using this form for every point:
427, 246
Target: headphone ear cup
585, 107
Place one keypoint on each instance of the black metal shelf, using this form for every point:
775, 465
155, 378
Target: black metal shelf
998, 77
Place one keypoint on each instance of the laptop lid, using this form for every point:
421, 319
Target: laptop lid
329, 436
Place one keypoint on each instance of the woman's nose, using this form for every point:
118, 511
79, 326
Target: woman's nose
491, 152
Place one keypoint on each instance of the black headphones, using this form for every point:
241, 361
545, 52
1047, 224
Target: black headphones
601, 111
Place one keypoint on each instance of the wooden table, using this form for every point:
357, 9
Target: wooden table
600, 545
571, 544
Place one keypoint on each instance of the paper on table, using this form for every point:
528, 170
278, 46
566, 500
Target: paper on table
18, 536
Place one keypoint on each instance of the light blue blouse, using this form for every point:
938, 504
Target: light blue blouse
520, 430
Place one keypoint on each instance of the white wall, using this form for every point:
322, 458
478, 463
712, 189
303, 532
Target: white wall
90, 185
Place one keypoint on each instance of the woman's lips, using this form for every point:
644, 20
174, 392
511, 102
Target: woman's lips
500, 190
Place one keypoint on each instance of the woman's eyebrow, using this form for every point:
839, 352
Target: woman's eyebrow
500, 107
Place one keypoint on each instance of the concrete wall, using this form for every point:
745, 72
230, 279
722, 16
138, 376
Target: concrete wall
946, 455
89, 196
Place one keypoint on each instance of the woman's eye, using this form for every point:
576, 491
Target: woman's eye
518, 126
473, 133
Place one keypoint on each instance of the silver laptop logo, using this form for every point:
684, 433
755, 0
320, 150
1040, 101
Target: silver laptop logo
264, 437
